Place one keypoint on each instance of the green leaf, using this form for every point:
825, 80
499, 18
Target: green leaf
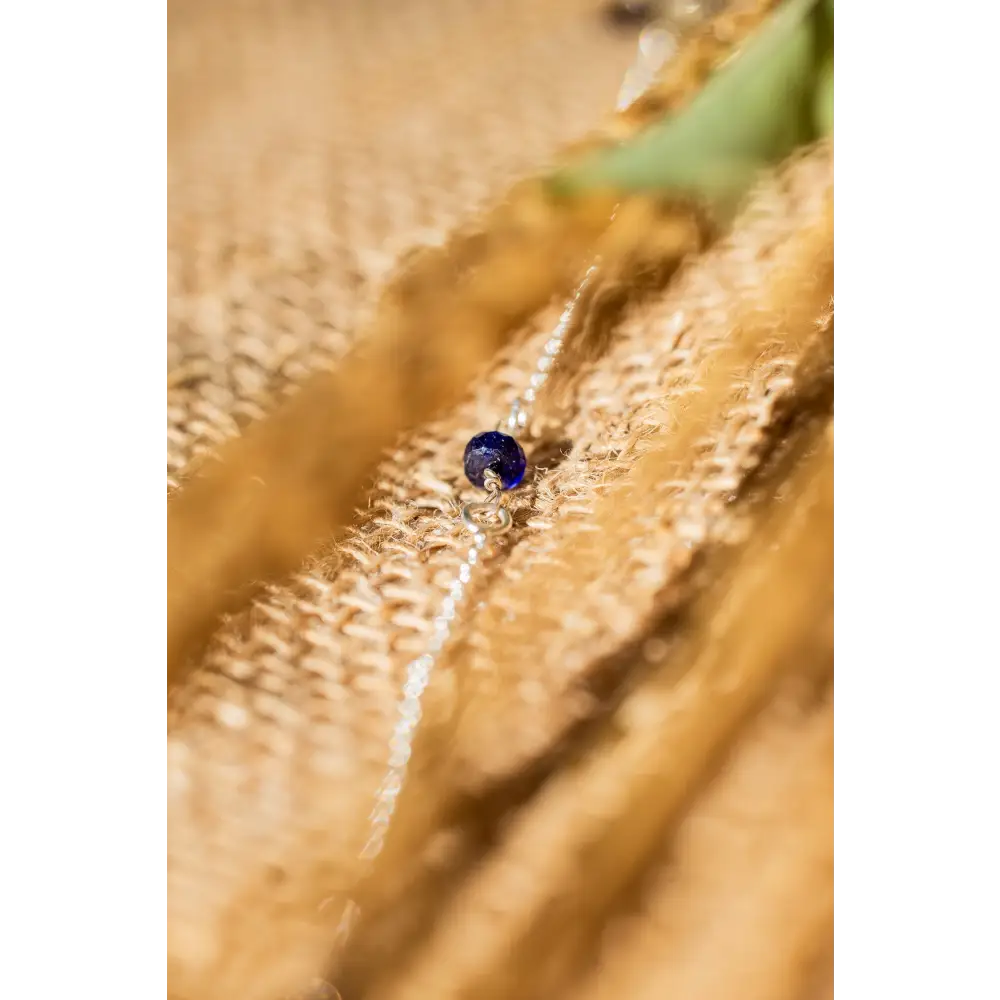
754, 111
823, 104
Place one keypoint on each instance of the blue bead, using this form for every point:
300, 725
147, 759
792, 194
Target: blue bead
496, 452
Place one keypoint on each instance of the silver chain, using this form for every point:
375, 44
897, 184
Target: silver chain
484, 521
408, 710
521, 408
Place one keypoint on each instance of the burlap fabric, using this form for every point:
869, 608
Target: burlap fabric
564, 829
312, 142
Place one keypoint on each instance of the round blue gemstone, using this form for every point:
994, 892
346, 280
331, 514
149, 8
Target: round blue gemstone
493, 451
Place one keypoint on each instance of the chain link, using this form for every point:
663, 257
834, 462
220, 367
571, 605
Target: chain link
521, 409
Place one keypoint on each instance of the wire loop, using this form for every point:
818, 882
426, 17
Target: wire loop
486, 518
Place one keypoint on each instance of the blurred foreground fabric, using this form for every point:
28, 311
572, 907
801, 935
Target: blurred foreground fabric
622, 785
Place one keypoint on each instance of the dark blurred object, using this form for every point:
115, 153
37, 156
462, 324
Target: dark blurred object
625, 14
680, 15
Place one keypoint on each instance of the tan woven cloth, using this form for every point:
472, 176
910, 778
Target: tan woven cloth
310, 144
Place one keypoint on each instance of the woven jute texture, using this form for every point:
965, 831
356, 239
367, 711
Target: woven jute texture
312, 142
622, 781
